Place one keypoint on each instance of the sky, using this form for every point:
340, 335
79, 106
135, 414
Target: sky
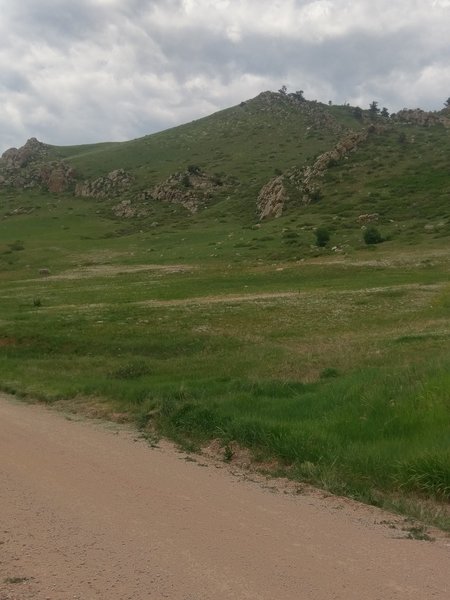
82, 71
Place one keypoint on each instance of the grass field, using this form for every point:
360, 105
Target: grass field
337, 366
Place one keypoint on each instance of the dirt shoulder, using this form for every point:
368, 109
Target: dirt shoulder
90, 511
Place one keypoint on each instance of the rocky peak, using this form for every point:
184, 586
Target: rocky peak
31, 151
28, 167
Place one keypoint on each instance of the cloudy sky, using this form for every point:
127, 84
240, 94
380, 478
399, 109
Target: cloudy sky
74, 71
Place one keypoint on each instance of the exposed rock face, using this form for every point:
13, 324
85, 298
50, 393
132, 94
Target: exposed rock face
126, 210
26, 168
32, 151
346, 145
273, 195
420, 117
271, 198
110, 186
190, 189
57, 177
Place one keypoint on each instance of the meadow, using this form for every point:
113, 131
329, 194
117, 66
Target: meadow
336, 365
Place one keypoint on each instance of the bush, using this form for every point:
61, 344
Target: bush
322, 236
132, 370
372, 236
193, 169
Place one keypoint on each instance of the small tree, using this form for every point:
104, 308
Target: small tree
299, 95
384, 112
373, 109
372, 236
447, 103
322, 237
283, 90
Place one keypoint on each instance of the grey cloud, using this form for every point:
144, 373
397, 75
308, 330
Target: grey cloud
92, 70
10, 80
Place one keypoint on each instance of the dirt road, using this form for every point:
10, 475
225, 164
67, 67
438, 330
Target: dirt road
86, 512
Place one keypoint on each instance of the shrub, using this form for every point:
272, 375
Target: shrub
132, 370
372, 236
193, 169
322, 237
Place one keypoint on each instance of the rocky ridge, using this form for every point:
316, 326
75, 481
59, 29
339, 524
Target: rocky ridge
420, 117
274, 194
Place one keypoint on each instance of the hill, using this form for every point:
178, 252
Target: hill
277, 155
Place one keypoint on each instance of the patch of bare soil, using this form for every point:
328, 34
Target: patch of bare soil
106, 270
220, 299
89, 511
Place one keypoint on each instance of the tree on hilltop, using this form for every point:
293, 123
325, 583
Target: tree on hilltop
373, 109
299, 95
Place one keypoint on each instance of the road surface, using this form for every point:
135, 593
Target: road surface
89, 512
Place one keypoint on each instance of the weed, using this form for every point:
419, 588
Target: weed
228, 453
14, 580
418, 532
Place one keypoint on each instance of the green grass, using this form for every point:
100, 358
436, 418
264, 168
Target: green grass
189, 349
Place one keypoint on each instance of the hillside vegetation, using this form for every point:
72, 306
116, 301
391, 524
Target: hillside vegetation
274, 276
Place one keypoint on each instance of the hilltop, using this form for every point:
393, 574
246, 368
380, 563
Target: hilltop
275, 156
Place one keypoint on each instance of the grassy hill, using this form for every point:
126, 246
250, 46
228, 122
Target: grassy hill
213, 323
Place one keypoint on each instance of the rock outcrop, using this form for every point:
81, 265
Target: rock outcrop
17, 158
367, 218
271, 199
308, 181
420, 117
126, 210
57, 177
28, 167
190, 189
273, 195
111, 185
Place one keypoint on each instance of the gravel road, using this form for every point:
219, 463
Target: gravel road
88, 512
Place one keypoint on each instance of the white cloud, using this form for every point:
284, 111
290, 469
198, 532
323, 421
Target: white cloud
92, 70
